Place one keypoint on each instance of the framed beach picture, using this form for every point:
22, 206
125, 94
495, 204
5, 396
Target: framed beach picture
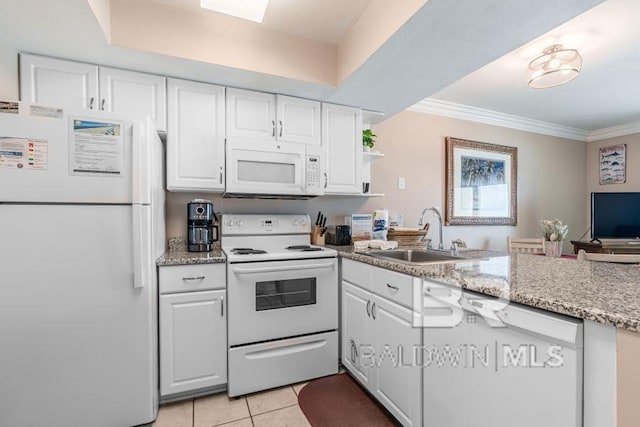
481, 183
612, 164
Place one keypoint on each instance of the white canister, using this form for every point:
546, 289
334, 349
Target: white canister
380, 224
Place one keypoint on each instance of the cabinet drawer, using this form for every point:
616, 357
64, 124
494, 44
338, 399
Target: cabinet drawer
187, 278
357, 273
392, 286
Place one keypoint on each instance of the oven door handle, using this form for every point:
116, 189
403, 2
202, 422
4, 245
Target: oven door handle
253, 270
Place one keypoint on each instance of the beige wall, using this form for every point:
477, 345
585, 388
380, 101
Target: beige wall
550, 181
8, 73
593, 170
551, 175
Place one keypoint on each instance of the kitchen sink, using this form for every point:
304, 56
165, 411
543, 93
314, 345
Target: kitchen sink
415, 256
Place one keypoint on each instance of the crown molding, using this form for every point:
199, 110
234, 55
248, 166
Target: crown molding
480, 115
613, 131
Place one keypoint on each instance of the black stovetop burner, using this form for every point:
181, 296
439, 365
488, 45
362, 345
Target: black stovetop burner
303, 248
247, 251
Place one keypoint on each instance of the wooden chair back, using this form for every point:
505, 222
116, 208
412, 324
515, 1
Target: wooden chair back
528, 245
598, 257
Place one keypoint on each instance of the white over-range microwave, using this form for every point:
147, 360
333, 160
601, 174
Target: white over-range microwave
270, 169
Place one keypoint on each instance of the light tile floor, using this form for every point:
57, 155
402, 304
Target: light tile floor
277, 407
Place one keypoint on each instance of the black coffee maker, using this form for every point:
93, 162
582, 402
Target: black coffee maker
202, 230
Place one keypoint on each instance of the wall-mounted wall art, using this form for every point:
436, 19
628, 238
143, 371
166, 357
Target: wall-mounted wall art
481, 183
612, 164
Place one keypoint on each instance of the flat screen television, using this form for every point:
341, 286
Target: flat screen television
615, 215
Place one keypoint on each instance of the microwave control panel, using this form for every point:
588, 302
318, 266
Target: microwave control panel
314, 171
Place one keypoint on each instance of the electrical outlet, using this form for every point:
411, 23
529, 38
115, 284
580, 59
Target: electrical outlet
402, 184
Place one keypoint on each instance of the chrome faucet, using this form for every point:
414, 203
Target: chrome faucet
436, 212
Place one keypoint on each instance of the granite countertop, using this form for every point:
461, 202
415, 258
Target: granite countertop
602, 292
178, 255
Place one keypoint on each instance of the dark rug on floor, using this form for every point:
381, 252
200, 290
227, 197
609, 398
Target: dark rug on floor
339, 401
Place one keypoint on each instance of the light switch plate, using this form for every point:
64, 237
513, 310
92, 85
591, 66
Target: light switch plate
402, 184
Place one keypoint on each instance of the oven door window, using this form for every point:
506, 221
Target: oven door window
276, 294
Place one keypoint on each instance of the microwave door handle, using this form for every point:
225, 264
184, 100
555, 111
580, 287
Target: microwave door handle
254, 270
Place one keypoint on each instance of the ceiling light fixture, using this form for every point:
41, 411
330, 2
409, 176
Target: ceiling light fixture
556, 66
253, 10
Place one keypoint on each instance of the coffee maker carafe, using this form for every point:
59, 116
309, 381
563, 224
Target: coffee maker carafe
201, 228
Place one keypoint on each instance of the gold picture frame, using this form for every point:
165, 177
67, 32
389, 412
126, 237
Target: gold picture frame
481, 183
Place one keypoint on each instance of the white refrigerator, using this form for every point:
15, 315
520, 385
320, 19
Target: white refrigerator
81, 225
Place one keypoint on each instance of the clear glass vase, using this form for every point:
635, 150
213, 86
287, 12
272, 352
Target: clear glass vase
553, 249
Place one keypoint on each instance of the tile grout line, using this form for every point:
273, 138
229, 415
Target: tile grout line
193, 413
273, 410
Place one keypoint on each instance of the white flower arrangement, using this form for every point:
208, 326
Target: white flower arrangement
554, 230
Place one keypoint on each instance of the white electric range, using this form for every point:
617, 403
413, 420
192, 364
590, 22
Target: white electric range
282, 302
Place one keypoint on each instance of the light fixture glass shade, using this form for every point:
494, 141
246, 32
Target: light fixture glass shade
253, 10
556, 66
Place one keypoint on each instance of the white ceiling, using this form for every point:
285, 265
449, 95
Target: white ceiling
605, 94
440, 44
321, 20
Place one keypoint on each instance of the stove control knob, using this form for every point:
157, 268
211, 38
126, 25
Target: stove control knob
229, 222
239, 223
303, 222
295, 222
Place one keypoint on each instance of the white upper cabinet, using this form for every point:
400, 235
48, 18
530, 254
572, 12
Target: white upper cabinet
298, 120
251, 114
195, 137
77, 85
342, 146
271, 117
134, 94
55, 82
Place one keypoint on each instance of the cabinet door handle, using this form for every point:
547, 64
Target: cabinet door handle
273, 128
193, 279
326, 180
102, 104
368, 312
91, 103
373, 311
220, 174
222, 306
280, 121
392, 288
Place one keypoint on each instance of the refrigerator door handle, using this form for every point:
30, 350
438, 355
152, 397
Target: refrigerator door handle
141, 245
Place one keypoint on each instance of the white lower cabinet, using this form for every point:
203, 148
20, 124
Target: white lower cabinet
378, 344
356, 304
193, 331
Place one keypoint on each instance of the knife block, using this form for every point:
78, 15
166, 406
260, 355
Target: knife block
316, 236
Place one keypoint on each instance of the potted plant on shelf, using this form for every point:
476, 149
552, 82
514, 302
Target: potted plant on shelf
368, 139
554, 233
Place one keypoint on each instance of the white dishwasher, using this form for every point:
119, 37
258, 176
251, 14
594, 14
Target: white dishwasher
519, 367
